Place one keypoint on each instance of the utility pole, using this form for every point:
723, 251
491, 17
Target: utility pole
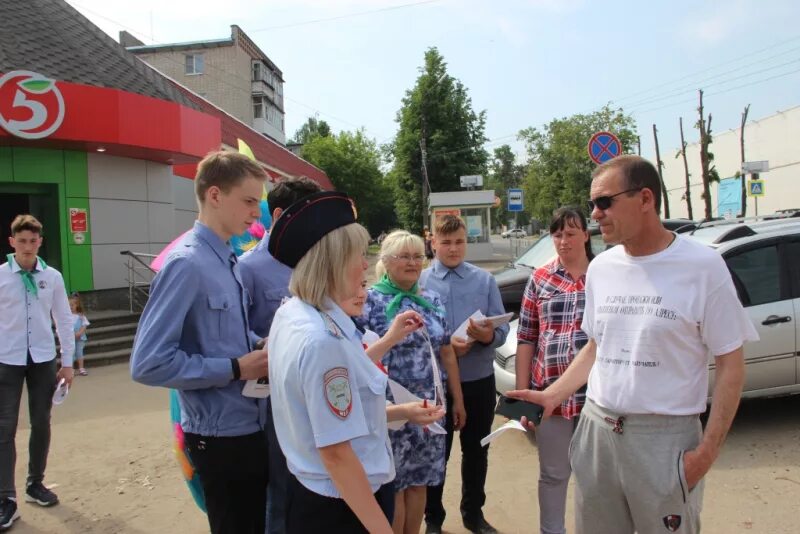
659, 166
688, 193
741, 148
425, 183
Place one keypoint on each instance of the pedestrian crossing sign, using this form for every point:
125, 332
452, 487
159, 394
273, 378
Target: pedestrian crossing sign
755, 188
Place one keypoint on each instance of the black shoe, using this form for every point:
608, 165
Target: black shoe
481, 526
36, 492
8, 513
430, 528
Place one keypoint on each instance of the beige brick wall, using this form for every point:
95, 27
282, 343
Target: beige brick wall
225, 80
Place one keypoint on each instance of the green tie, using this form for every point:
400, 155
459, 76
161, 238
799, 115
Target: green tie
27, 276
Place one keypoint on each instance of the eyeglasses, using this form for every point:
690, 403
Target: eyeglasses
603, 203
407, 258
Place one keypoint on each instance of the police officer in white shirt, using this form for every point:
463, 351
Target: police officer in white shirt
656, 307
31, 293
328, 398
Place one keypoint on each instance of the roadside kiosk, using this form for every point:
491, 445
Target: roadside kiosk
473, 207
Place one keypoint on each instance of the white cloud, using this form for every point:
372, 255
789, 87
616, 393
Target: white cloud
715, 24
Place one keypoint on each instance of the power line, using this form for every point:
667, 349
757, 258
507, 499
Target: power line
704, 86
228, 75
340, 17
756, 82
706, 70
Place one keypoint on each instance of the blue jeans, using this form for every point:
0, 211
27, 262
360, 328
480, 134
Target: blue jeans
278, 479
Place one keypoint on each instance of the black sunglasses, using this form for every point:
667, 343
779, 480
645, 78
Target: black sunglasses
603, 203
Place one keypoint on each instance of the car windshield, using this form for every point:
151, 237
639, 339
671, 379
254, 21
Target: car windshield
539, 253
544, 250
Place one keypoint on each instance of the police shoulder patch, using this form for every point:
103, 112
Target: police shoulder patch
336, 383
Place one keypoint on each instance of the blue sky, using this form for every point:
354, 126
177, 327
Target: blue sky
524, 61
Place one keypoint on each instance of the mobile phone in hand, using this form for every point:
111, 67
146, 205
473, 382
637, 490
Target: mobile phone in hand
516, 409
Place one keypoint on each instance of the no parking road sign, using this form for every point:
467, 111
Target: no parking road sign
604, 146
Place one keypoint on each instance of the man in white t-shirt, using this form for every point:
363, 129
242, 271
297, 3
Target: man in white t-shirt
656, 308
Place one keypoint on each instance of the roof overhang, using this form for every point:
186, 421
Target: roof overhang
84, 117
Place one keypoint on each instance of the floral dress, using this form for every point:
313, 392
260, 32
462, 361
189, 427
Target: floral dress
418, 454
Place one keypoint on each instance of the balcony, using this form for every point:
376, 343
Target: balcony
260, 87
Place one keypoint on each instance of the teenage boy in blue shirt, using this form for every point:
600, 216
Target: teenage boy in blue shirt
194, 337
466, 288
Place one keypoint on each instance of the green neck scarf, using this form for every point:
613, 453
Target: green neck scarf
27, 276
386, 287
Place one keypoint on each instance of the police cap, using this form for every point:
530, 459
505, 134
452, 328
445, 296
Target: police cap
307, 221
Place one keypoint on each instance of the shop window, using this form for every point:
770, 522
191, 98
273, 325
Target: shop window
477, 221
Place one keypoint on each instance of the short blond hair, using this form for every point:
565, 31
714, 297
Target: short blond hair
322, 271
395, 242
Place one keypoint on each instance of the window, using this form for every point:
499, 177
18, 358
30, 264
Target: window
258, 108
194, 64
256, 72
477, 223
756, 275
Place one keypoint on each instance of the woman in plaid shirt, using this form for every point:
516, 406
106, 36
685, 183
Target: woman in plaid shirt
549, 336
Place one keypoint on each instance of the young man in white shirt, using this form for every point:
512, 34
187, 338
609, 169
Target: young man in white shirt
656, 307
30, 294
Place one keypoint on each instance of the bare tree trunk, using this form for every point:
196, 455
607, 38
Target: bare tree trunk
659, 166
741, 146
704, 162
688, 194
638, 145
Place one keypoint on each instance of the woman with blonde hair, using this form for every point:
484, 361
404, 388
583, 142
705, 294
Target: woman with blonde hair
329, 399
420, 363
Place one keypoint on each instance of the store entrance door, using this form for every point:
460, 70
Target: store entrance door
41, 201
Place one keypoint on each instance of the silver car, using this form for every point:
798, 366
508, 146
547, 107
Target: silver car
764, 260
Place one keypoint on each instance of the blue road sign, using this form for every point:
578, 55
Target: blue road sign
604, 146
515, 200
756, 188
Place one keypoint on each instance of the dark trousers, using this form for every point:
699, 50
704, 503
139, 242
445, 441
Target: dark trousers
278, 478
233, 471
479, 402
41, 381
310, 513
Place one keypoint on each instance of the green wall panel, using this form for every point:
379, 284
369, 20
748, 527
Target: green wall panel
76, 174
81, 276
38, 165
6, 167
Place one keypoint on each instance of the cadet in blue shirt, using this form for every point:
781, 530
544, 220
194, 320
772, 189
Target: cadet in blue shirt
194, 336
464, 289
267, 281
330, 399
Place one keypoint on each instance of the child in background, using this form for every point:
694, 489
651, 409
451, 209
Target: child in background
79, 324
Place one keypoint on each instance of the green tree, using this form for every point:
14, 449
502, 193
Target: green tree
437, 113
559, 169
312, 128
505, 173
353, 163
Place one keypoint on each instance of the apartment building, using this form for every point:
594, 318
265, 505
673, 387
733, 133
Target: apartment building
232, 73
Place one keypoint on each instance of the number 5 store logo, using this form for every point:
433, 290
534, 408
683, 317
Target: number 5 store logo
31, 106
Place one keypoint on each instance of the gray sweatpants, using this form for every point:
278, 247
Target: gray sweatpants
629, 476
552, 439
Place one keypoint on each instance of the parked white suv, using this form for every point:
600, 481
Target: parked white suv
764, 260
